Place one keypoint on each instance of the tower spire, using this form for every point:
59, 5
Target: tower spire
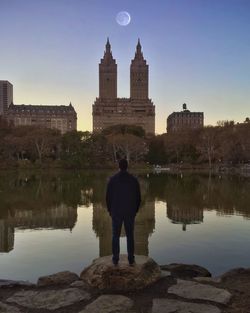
138, 47
108, 74
138, 75
108, 46
138, 52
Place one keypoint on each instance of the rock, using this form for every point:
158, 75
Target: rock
235, 274
237, 279
13, 283
49, 299
208, 279
4, 308
78, 284
186, 270
165, 274
61, 278
110, 304
102, 274
175, 306
192, 290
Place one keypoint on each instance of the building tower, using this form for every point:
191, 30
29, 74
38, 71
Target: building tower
6, 96
108, 75
138, 75
108, 110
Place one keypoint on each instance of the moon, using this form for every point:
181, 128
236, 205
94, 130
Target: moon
123, 18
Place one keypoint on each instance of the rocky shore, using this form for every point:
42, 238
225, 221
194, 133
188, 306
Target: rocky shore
145, 287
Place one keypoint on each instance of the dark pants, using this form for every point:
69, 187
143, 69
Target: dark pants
117, 222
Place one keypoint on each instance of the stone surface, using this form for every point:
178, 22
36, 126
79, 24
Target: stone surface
165, 273
193, 290
175, 306
235, 273
60, 278
186, 270
110, 304
208, 279
102, 274
13, 283
78, 284
4, 308
49, 299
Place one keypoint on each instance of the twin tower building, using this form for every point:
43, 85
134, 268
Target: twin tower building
109, 110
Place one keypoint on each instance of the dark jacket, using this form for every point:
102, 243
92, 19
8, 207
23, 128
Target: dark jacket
123, 196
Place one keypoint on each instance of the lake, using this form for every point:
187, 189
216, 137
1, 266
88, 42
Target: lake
55, 221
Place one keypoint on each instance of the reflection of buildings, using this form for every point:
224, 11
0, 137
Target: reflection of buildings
144, 226
58, 217
184, 215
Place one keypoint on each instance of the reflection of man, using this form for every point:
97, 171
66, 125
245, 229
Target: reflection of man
123, 198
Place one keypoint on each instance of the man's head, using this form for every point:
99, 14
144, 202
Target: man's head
123, 164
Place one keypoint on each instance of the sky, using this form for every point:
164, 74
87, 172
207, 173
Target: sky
198, 53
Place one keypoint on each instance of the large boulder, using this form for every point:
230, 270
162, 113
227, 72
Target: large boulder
4, 308
236, 273
60, 278
49, 299
237, 279
14, 283
176, 306
102, 274
186, 270
193, 290
110, 304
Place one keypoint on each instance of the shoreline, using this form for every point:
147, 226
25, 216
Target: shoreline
228, 293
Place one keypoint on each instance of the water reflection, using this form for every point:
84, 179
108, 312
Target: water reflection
50, 201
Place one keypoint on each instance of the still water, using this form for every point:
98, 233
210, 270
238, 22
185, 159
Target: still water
57, 221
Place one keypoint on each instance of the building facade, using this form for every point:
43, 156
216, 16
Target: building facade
109, 110
6, 96
183, 120
61, 117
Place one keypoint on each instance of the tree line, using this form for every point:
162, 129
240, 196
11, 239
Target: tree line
227, 143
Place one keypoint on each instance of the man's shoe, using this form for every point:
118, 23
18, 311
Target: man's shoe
131, 262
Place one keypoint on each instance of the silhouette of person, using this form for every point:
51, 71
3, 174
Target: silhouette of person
123, 198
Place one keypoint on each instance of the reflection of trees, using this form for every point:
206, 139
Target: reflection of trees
188, 195
50, 200
36, 201
6, 236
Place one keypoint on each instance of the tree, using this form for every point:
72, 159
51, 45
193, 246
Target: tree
208, 143
128, 146
157, 151
44, 142
124, 129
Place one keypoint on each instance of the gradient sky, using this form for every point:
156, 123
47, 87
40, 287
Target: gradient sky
198, 52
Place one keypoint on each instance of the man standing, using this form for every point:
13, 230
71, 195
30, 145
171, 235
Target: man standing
123, 198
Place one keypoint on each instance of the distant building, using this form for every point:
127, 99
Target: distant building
108, 110
61, 117
6, 96
185, 119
